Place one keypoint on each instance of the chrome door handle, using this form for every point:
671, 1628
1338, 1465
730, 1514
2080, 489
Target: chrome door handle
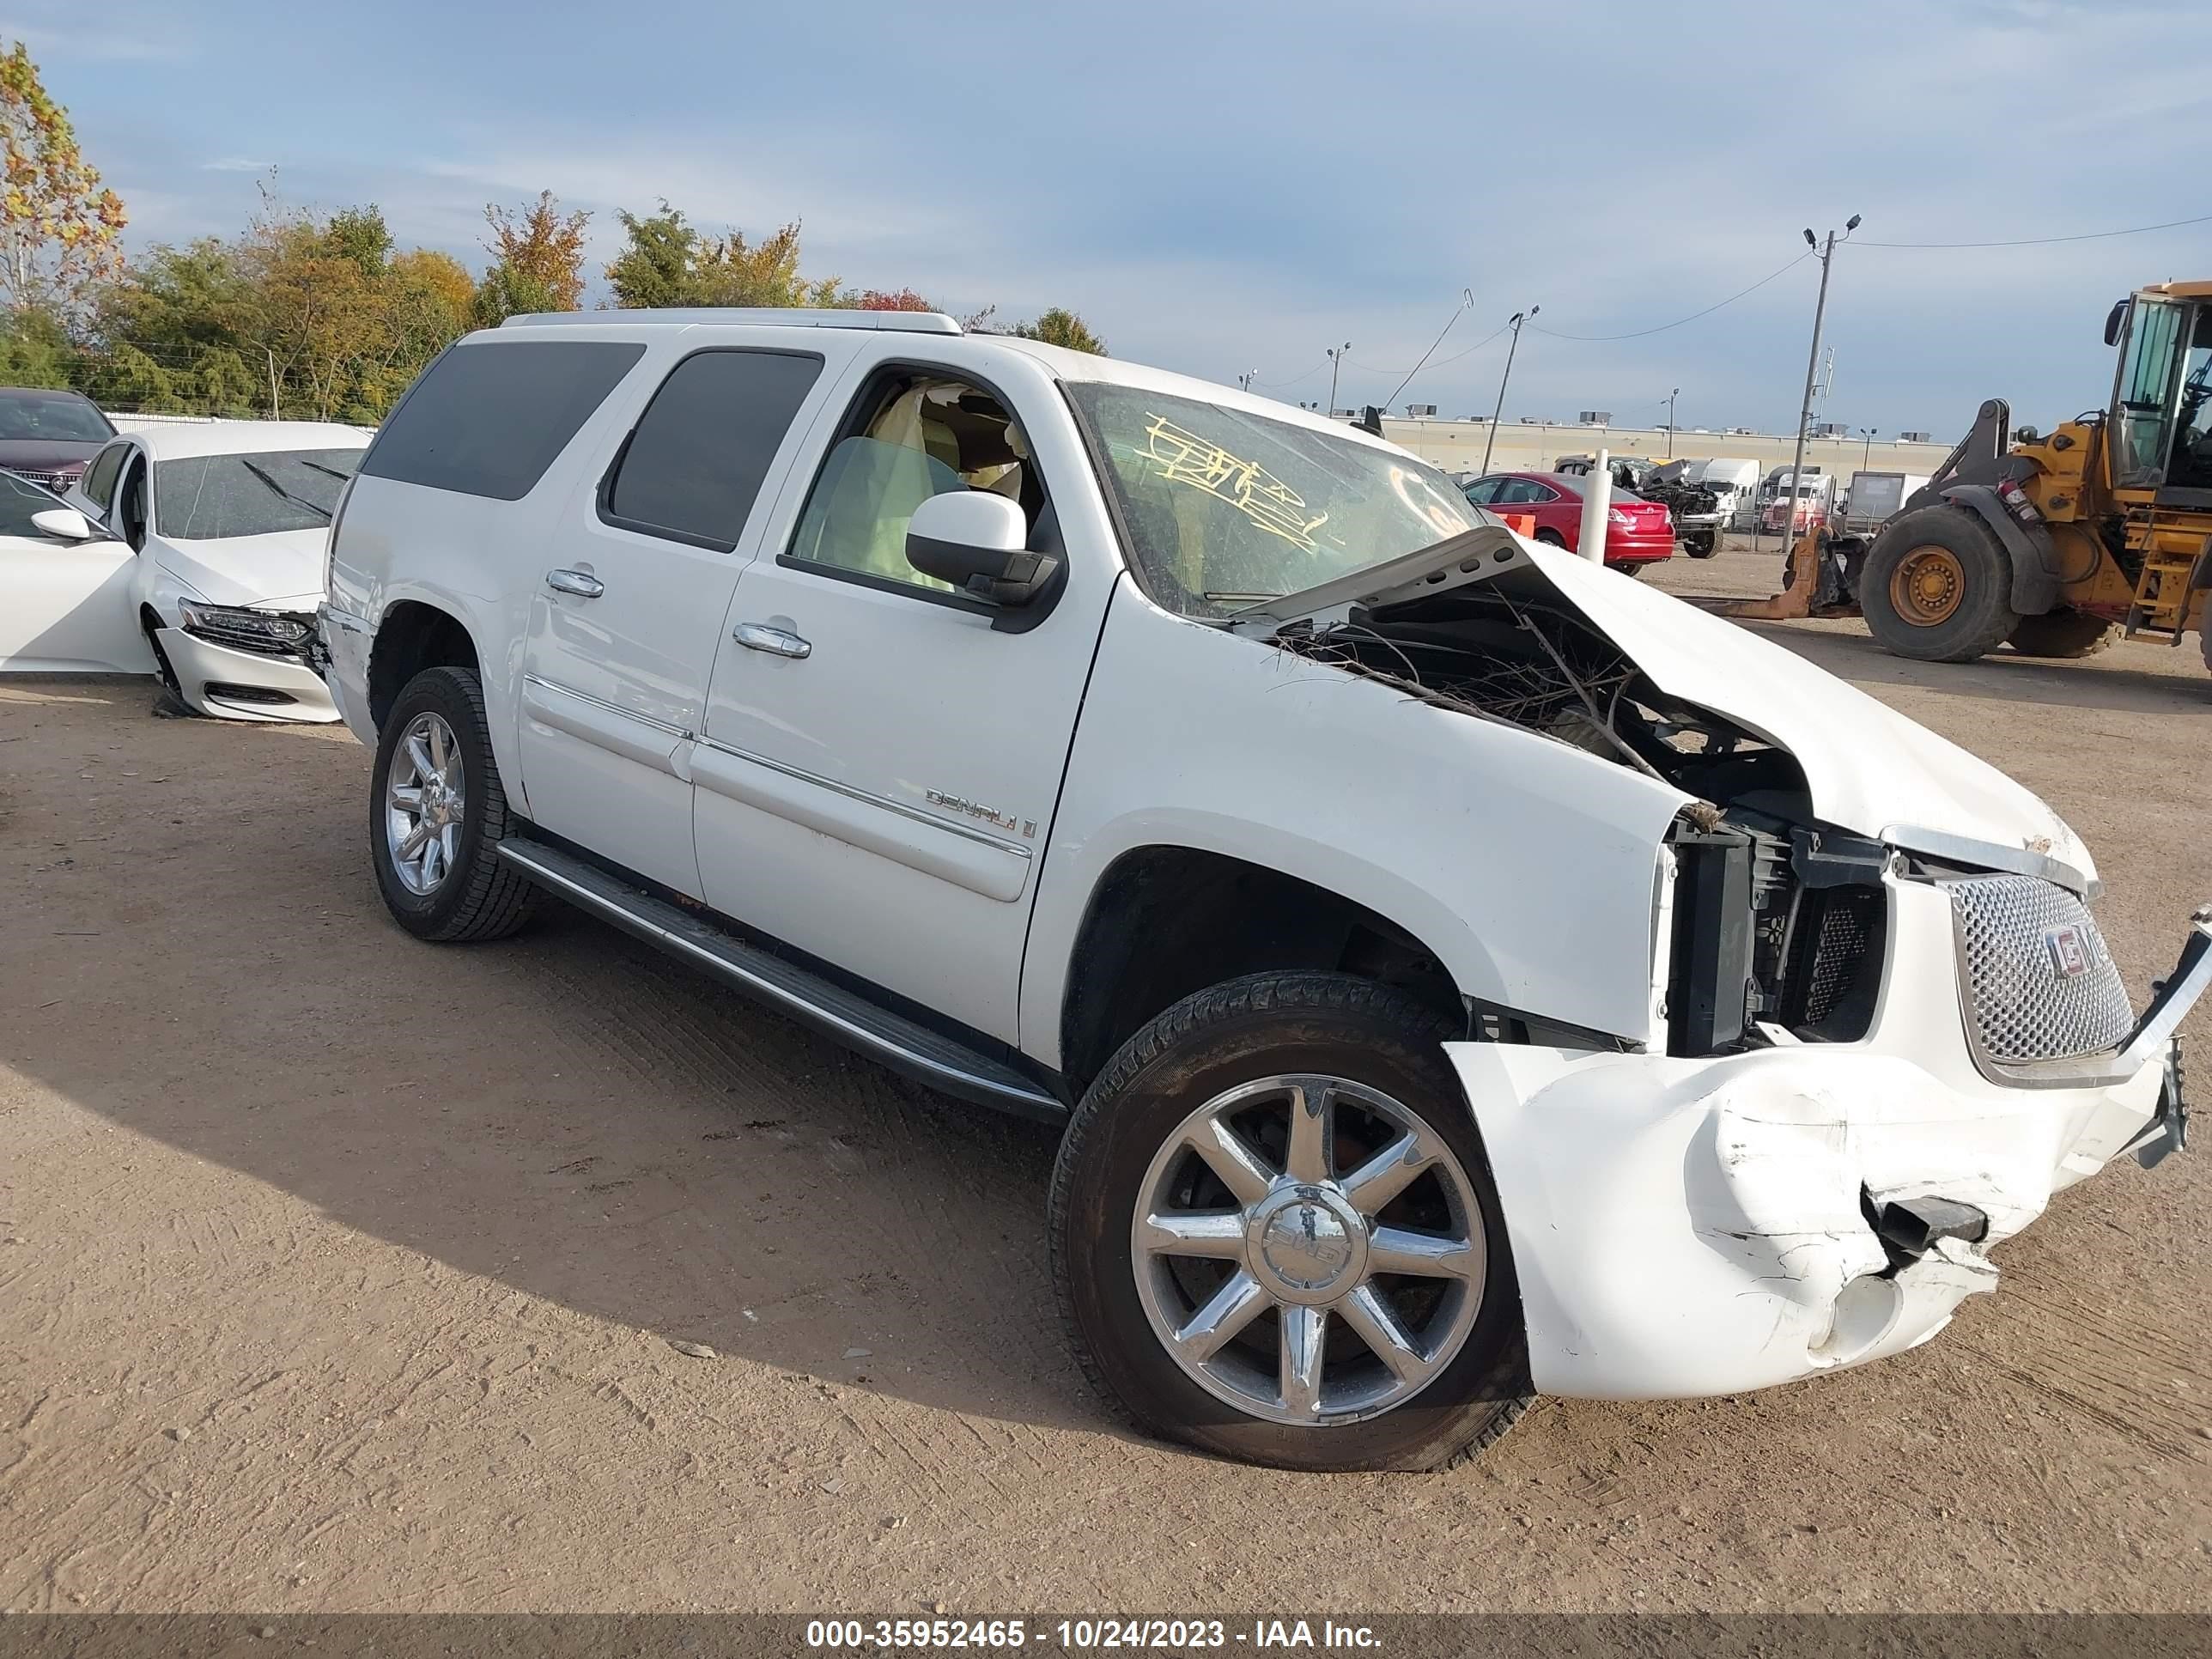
777, 642
581, 583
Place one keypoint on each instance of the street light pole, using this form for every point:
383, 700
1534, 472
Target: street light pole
1514, 345
1866, 432
1812, 368
1671, 396
1335, 355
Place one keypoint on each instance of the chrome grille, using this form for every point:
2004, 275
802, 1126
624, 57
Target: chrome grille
2043, 984
59, 483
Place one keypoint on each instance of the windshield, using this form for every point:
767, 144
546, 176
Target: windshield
62, 420
1224, 508
210, 497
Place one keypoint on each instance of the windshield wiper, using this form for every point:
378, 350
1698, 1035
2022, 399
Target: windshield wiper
330, 471
264, 475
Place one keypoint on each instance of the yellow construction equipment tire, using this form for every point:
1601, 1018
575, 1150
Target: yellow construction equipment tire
2064, 633
1937, 586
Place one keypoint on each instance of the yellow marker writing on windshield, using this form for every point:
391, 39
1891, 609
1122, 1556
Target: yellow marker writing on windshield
1181, 456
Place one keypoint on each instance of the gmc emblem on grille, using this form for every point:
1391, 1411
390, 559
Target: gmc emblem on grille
2070, 955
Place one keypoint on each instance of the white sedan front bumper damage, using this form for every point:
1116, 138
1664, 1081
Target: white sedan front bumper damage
1700, 1226
205, 670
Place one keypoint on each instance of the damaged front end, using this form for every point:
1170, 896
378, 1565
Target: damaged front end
1885, 1027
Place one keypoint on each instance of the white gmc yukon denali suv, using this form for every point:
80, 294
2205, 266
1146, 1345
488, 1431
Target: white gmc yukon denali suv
1460, 972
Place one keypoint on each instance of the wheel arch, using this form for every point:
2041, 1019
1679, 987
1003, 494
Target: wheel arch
413, 635
1165, 919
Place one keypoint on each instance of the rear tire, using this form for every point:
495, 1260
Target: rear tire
1701, 546
1130, 1153
470, 893
2064, 633
1937, 586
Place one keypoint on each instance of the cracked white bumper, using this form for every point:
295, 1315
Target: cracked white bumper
1698, 1226
211, 677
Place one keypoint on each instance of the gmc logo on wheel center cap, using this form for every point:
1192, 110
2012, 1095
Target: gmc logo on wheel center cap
2070, 954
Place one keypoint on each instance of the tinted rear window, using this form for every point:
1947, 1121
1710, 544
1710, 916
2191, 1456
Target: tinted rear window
706, 441
488, 417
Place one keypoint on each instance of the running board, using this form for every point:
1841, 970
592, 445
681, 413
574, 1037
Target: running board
890, 1039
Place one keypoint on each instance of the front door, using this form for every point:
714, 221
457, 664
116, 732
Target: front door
66, 607
882, 755
626, 609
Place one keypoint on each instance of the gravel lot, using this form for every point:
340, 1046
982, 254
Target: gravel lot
342, 1271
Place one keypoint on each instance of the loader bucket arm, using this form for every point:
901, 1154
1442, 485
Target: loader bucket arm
1985, 444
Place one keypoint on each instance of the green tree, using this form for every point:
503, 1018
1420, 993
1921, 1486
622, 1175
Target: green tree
655, 269
1062, 327
36, 350
320, 306
60, 228
360, 236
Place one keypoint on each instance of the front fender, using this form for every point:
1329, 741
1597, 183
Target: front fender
1528, 867
2035, 564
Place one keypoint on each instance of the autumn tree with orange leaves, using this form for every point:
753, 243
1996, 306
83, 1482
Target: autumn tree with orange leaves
60, 228
538, 259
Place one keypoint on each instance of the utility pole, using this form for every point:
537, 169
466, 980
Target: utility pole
1514, 345
1671, 396
1812, 367
1335, 355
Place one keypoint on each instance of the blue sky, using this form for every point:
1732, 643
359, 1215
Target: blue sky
1231, 186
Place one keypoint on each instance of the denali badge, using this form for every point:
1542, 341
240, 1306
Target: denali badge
977, 810
2070, 953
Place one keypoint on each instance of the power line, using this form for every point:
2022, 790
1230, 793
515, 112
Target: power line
2046, 241
1476, 347
1638, 334
1467, 300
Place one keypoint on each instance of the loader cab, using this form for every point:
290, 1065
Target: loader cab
2161, 417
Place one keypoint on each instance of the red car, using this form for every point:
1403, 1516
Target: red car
1637, 532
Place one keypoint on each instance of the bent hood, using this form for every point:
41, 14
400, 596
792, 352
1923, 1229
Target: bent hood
285, 565
1869, 767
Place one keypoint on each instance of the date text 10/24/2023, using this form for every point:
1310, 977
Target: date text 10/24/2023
1086, 1635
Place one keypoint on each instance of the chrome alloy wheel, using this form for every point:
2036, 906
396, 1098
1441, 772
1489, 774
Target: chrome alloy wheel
1309, 1251
425, 803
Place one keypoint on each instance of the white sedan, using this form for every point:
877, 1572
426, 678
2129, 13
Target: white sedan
191, 551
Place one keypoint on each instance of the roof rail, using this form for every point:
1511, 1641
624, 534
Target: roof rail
906, 322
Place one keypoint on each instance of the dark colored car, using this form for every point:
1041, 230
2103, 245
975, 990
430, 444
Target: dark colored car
1637, 532
49, 436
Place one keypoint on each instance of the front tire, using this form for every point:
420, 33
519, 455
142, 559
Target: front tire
1937, 586
1275, 1236
437, 813
1702, 546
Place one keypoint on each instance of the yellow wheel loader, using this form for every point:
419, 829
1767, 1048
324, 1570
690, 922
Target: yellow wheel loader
2052, 543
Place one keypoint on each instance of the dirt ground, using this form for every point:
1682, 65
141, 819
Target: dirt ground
342, 1271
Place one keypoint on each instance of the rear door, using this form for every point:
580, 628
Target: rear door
627, 608
66, 607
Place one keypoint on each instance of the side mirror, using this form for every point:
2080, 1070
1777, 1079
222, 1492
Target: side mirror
2113, 318
977, 541
64, 523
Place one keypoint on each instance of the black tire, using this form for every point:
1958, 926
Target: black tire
1701, 547
1980, 619
481, 896
2064, 633
1552, 537
169, 703
1246, 1029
